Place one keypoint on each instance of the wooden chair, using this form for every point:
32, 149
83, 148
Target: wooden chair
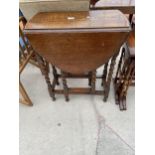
26, 55
125, 75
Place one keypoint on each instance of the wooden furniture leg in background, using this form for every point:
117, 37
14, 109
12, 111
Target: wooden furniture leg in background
55, 74
116, 79
65, 87
93, 82
25, 98
89, 78
109, 77
122, 91
55, 78
104, 76
119, 79
119, 64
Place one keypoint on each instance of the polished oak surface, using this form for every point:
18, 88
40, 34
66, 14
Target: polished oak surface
78, 20
80, 45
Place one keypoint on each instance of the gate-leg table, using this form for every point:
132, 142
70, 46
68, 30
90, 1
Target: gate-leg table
78, 43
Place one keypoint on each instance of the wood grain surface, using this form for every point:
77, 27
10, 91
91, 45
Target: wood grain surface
81, 45
76, 20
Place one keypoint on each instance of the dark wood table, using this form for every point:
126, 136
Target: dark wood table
78, 43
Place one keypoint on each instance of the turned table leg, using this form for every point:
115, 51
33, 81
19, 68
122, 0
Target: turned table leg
41, 61
109, 77
89, 78
93, 82
119, 65
44, 68
116, 79
65, 87
55, 74
104, 76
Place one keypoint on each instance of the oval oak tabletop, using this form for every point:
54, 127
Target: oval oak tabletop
78, 20
78, 42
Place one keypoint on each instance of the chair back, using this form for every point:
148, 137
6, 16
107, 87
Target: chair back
25, 49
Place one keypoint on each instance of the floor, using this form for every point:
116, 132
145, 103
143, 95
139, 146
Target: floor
72, 128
